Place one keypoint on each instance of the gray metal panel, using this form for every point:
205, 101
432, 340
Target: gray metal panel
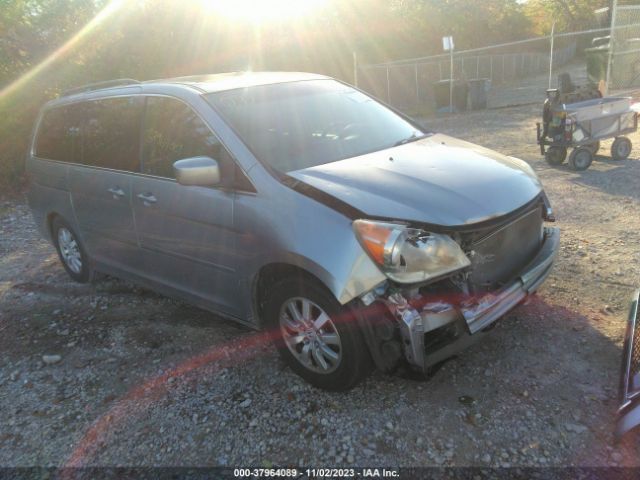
48, 193
438, 180
105, 218
188, 240
280, 225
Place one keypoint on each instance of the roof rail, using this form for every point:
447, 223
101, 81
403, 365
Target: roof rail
98, 85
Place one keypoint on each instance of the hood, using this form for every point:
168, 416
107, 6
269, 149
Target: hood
438, 180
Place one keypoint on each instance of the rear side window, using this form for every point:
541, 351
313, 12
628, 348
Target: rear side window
173, 131
59, 134
112, 133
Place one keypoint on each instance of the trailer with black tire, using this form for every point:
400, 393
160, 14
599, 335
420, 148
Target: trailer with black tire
581, 126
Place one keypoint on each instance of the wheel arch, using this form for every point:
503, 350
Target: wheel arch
50, 217
270, 273
70, 219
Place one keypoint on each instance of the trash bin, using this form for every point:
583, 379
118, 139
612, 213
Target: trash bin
565, 84
478, 89
441, 94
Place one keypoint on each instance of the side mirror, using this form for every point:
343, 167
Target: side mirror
197, 171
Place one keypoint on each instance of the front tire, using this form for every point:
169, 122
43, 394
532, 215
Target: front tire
580, 158
316, 336
70, 251
555, 155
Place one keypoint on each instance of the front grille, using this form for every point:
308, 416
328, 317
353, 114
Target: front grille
635, 355
498, 256
629, 392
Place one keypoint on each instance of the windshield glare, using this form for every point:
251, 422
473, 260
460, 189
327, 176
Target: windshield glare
297, 125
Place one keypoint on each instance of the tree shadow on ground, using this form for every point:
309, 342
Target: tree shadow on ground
620, 178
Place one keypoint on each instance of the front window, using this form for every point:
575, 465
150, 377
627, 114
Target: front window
173, 131
297, 125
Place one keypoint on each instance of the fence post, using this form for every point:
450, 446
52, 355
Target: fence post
491, 68
355, 68
614, 6
388, 88
415, 66
553, 29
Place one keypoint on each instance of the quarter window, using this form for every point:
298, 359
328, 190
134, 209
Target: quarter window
173, 131
112, 133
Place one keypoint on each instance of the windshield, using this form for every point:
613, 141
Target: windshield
296, 125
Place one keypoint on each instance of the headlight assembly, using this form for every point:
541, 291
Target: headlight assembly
409, 255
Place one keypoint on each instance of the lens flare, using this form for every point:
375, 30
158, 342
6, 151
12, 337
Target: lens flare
264, 11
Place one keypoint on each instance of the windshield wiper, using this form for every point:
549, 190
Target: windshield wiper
412, 138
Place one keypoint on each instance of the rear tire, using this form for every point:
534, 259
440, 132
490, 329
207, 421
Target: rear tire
621, 148
580, 158
316, 336
555, 155
70, 251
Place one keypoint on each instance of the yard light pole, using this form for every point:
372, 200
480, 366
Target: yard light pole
451, 82
553, 29
447, 44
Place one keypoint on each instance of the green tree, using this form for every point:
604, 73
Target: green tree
569, 15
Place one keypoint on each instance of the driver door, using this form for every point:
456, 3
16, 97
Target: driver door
186, 233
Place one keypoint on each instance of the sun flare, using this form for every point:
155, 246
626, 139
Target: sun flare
264, 11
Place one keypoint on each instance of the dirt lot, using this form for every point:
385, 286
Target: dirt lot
144, 380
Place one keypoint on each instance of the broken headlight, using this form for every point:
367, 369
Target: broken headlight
409, 255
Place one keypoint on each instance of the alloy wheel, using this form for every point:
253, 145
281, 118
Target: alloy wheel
69, 250
310, 335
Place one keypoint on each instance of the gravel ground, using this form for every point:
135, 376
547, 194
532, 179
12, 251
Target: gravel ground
111, 374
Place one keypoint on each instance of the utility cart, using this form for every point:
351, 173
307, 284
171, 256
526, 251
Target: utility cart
581, 126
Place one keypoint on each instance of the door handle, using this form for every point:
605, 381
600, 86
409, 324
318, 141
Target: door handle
147, 198
116, 192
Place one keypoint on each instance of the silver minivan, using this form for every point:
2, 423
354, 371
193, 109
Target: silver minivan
294, 203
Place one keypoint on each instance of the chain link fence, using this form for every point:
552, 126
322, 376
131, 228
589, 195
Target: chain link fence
513, 73
625, 57
414, 84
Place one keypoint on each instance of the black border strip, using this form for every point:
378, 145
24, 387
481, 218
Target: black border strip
394, 473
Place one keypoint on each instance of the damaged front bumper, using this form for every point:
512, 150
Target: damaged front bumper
462, 324
629, 392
